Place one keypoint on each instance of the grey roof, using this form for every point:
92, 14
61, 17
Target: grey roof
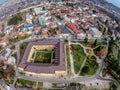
65, 30
1, 81
4, 52
59, 64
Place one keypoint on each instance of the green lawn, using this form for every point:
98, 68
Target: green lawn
78, 56
91, 66
22, 47
102, 44
104, 72
68, 59
93, 44
33, 55
40, 84
84, 43
22, 82
14, 40
43, 57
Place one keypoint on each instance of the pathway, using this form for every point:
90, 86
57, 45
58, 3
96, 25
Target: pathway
71, 59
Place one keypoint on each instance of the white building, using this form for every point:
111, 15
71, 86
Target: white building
39, 10
82, 35
95, 32
11, 60
8, 29
29, 18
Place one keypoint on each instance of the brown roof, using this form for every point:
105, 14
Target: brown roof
14, 33
44, 33
37, 28
59, 32
59, 64
3, 39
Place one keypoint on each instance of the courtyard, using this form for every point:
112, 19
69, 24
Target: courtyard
42, 56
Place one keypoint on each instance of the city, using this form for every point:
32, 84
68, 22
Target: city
59, 44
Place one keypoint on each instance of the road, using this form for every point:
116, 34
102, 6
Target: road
18, 52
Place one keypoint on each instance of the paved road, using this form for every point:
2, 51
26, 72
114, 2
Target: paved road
57, 80
18, 52
71, 59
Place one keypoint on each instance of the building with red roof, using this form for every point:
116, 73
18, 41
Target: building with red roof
73, 27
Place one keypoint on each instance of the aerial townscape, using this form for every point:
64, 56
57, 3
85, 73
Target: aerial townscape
59, 45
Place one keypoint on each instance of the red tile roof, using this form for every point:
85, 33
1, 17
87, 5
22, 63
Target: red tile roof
73, 27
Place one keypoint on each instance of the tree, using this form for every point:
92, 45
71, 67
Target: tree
66, 41
0, 48
85, 69
14, 20
95, 42
86, 39
43, 8
2, 34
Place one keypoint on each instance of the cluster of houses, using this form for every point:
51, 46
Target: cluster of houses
6, 55
82, 21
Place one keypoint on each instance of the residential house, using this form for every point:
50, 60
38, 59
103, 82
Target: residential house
3, 41
5, 53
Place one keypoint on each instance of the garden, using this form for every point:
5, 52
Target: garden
90, 68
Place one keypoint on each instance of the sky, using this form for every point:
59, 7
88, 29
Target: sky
1, 1
115, 2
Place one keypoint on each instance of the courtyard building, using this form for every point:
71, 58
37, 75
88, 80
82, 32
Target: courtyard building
44, 58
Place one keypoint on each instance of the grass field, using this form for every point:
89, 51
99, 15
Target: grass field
90, 67
42, 56
24, 83
78, 56
68, 59
22, 47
